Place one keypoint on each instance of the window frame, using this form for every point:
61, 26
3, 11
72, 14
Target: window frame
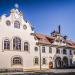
36, 63
70, 52
57, 51
44, 61
27, 46
6, 44
50, 50
64, 51
16, 61
17, 24
8, 23
17, 43
36, 49
43, 49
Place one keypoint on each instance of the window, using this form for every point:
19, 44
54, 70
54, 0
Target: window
24, 27
64, 51
36, 61
17, 61
57, 40
58, 51
16, 24
70, 61
26, 46
50, 50
74, 52
43, 49
70, 52
17, 43
44, 61
36, 48
8, 23
6, 44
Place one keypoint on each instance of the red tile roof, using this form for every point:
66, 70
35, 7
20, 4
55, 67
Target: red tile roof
70, 43
43, 39
47, 40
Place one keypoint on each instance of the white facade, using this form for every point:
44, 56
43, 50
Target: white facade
8, 31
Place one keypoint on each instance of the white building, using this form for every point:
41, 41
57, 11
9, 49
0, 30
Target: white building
21, 47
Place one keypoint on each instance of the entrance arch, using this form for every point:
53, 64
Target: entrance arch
58, 62
65, 61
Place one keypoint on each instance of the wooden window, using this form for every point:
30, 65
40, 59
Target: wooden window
16, 24
6, 44
64, 51
44, 61
58, 51
36, 48
74, 52
26, 46
50, 50
17, 61
8, 23
36, 61
70, 52
17, 43
43, 49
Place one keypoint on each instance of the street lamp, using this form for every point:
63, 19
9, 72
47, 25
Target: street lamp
40, 55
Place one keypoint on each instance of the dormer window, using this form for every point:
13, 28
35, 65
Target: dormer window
60, 40
57, 40
17, 24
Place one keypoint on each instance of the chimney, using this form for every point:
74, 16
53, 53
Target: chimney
59, 29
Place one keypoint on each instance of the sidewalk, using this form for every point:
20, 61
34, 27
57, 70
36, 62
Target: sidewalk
42, 71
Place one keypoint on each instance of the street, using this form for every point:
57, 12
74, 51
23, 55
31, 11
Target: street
44, 72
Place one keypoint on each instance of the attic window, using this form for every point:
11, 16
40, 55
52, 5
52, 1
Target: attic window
57, 40
17, 24
8, 23
60, 40
24, 27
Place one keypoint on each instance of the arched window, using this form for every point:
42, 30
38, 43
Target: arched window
17, 24
17, 43
36, 61
26, 46
44, 61
50, 50
6, 44
36, 49
64, 51
17, 61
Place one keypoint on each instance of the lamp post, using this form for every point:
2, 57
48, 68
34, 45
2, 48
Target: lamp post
40, 55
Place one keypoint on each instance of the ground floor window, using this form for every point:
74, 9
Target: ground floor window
44, 61
17, 61
36, 61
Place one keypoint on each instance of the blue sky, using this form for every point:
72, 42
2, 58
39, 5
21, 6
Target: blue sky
45, 15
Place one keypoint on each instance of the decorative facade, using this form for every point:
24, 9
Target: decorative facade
21, 47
